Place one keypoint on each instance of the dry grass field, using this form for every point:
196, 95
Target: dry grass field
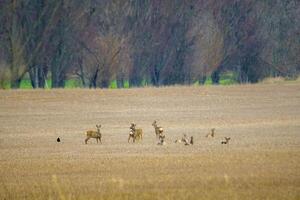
262, 160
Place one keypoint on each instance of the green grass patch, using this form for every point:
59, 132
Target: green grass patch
5, 85
48, 84
25, 84
113, 84
228, 78
145, 83
126, 84
208, 81
73, 83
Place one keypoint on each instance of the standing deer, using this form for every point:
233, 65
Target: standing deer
161, 137
131, 135
212, 133
226, 140
94, 134
157, 129
135, 133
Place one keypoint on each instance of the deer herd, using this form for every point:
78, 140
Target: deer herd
136, 134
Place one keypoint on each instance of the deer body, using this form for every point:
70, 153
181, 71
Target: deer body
161, 137
135, 133
211, 134
94, 134
185, 140
157, 129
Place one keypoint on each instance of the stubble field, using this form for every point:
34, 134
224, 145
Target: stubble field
262, 160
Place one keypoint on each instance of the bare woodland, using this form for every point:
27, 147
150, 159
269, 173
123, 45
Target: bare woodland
147, 42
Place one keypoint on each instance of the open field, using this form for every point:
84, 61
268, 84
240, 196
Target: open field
262, 160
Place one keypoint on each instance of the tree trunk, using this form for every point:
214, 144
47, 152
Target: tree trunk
202, 80
15, 49
15, 82
93, 80
215, 77
37, 77
120, 80
81, 73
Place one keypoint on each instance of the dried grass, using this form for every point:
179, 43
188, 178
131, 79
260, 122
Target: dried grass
261, 161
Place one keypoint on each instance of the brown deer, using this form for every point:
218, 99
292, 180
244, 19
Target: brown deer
192, 140
94, 134
135, 133
226, 140
131, 136
161, 137
212, 133
157, 129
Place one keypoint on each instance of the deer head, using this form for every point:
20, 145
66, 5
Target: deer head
154, 123
98, 127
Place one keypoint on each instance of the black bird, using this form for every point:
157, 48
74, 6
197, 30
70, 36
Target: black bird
58, 139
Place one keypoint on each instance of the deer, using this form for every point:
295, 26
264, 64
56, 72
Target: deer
94, 134
185, 140
212, 133
135, 134
131, 135
226, 140
157, 129
162, 142
192, 140
161, 137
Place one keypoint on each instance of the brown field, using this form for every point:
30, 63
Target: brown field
262, 160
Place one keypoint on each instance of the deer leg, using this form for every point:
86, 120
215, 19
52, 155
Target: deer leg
100, 140
87, 140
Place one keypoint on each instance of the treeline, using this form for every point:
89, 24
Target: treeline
157, 42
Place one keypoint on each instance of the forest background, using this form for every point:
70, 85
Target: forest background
134, 43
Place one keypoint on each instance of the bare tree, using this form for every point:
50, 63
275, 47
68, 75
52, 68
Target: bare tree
13, 41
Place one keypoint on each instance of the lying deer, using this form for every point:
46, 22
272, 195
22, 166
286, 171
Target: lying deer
185, 140
226, 140
94, 134
212, 133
